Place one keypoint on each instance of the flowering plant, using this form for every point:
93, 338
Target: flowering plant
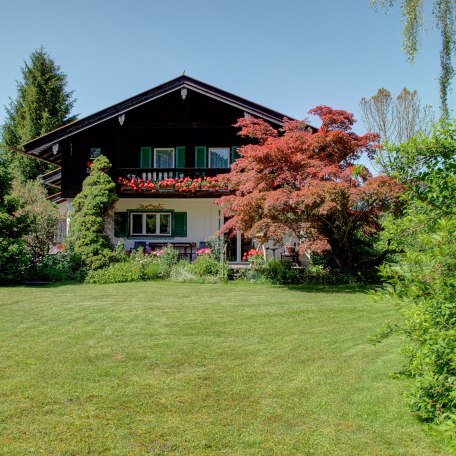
181, 184
254, 252
204, 251
255, 256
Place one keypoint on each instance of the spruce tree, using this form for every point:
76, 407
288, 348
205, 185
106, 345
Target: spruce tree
42, 104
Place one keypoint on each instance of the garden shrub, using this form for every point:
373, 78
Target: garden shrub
167, 258
134, 268
59, 267
205, 265
422, 277
282, 273
182, 272
216, 246
42, 215
126, 271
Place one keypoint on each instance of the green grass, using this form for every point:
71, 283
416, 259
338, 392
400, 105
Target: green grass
194, 369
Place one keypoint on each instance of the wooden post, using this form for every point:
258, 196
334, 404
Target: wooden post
222, 260
238, 247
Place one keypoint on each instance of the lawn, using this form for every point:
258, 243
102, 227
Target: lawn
193, 369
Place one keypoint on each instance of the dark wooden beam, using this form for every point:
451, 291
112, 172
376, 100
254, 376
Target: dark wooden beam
22, 152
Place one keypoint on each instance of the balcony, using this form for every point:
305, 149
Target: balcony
173, 182
159, 174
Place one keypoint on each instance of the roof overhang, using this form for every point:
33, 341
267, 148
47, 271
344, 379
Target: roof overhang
57, 198
46, 147
53, 178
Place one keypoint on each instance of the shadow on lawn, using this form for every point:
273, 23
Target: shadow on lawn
349, 289
302, 288
40, 284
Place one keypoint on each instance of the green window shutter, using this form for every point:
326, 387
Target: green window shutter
200, 157
120, 224
179, 224
146, 157
180, 157
234, 153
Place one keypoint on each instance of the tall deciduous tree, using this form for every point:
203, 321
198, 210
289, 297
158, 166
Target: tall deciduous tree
42, 104
444, 15
308, 185
395, 120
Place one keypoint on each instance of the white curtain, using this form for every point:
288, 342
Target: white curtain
164, 158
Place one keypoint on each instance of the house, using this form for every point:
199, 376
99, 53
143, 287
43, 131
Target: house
161, 144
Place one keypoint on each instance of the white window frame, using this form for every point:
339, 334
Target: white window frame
228, 149
167, 149
144, 223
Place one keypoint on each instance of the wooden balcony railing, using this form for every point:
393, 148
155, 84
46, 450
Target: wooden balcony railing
158, 174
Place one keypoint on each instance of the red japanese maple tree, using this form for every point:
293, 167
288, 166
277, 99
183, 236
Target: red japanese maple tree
305, 183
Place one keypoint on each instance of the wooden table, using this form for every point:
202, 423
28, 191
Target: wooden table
183, 245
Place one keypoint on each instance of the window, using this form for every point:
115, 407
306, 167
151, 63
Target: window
164, 158
95, 152
219, 157
150, 223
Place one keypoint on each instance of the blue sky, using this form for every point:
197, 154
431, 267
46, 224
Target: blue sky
288, 55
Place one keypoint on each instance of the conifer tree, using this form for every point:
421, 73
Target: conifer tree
87, 237
13, 260
42, 104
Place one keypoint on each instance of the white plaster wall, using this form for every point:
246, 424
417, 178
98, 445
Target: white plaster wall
203, 217
203, 220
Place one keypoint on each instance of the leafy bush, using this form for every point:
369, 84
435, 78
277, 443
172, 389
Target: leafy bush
167, 258
42, 215
205, 265
216, 246
182, 272
282, 273
60, 267
115, 273
126, 271
422, 278
134, 268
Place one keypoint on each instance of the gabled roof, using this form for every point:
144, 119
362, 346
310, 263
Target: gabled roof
36, 146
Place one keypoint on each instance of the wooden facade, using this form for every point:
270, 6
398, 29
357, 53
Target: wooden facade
184, 114
180, 129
